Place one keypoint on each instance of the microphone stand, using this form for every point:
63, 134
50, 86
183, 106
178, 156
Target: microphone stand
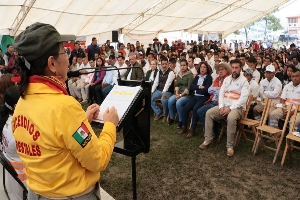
113, 68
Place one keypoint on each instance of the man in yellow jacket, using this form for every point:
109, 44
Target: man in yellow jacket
62, 155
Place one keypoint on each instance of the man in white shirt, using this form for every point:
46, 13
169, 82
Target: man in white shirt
191, 66
233, 97
290, 95
252, 65
243, 60
269, 87
74, 90
163, 88
148, 63
111, 77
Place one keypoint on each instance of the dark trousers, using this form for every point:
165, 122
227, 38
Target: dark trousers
193, 104
92, 92
99, 95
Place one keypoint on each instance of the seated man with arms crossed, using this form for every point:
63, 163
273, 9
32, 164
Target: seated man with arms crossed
233, 97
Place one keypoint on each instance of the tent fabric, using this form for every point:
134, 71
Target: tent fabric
92, 17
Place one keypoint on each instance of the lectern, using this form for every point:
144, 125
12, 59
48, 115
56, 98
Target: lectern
136, 127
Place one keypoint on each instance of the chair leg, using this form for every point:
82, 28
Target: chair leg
285, 151
278, 148
255, 134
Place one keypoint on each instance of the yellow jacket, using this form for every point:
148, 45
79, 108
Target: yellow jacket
60, 151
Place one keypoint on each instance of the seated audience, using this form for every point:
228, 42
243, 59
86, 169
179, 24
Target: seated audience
199, 87
233, 97
182, 94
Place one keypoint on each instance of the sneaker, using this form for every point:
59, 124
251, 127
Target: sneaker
171, 121
179, 125
182, 130
205, 145
157, 117
165, 119
230, 152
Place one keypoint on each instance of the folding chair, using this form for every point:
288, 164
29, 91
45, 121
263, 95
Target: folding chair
291, 137
9, 168
273, 134
238, 133
250, 122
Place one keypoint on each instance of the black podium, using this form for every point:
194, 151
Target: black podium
136, 127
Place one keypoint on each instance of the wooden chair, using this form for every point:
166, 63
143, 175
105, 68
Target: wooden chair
250, 122
224, 123
290, 137
271, 133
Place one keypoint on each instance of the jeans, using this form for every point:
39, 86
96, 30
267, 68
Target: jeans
201, 115
193, 104
106, 90
179, 104
158, 95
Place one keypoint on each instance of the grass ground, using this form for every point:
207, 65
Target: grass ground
175, 168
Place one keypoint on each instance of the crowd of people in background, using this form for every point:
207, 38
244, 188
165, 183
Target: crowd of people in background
203, 81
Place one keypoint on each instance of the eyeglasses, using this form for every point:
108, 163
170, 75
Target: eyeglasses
204, 67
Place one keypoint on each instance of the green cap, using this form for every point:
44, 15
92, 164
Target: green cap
38, 39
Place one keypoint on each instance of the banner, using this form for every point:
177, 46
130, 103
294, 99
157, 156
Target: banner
5, 40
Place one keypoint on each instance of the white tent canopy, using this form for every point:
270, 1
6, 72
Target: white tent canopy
94, 17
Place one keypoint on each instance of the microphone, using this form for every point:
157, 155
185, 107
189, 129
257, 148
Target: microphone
71, 74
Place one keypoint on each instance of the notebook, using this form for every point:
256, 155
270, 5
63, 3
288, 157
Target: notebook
122, 98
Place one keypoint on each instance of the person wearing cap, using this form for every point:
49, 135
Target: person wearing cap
197, 62
55, 141
269, 87
156, 45
233, 97
290, 95
165, 46
254, 87
15, 191
223, 70
252, 65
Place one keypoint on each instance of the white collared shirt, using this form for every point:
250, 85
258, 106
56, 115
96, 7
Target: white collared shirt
291, 94
271, 89
168, 83
234, 93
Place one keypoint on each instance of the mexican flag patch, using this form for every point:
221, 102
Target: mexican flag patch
82, 135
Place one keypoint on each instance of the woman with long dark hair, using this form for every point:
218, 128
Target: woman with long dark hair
5, 82
95, 84
199, 88
53, 134
287, 75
